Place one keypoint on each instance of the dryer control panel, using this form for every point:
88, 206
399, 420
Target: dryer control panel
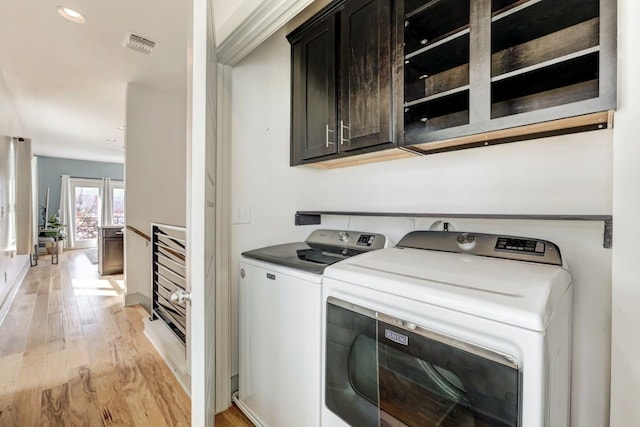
491, 245
520, 245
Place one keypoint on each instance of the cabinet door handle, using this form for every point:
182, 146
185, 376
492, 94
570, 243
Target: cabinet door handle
326, 137
342, 128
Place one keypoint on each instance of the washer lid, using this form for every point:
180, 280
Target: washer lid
295, 255
322, 248
519, 293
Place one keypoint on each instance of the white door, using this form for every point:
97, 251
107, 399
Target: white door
85, 194
201, 151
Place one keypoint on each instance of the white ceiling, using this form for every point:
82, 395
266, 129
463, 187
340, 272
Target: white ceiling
68, 81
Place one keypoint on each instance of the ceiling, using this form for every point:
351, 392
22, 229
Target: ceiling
68, 81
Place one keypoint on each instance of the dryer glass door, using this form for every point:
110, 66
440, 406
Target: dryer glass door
428, 379
351, 381
383, 371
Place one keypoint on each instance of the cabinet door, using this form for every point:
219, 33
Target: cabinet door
313, 113
365, 97
113, 254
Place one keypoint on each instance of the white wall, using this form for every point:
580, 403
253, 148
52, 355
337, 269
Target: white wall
11, 266
562, 175
155, 176
625, 369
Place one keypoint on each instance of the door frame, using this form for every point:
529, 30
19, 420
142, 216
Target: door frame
202, 212
206, 108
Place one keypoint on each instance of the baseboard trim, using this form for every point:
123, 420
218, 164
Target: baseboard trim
245, 410
170, 349
138, 298
11, 295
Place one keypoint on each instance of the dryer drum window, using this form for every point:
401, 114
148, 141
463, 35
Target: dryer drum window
395, 377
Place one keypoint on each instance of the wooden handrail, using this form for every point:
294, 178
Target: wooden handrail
139, 233
148, 239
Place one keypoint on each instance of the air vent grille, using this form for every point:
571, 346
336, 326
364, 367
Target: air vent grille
139, 43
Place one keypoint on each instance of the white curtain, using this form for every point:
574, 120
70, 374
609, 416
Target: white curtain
106, 202
24, 201
6, 161
66, 210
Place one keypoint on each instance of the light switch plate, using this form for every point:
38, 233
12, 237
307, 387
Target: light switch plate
242, 214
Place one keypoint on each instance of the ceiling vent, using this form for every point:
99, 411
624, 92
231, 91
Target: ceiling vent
138, 43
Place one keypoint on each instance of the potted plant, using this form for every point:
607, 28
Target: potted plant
54, 223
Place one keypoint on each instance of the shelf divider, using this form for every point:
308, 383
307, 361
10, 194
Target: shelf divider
512, 10
455, 35
437, 96
545, 64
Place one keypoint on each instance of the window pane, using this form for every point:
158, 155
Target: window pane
86, 213
118, 206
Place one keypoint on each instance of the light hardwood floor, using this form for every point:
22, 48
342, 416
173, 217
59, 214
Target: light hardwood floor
72, 355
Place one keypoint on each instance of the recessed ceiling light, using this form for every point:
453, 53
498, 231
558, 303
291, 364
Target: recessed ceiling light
111, 139
71, 15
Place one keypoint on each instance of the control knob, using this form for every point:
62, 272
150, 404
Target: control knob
466, 241
343, 236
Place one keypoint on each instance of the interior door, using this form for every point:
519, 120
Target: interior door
201, 237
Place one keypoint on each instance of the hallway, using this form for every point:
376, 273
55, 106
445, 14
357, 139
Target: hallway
71, 354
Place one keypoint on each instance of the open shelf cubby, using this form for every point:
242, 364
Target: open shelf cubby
429, 22
437, 70
436, 64
544, 53
561, 83
542, 17
438, 113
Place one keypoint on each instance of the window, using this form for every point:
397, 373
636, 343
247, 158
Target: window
117, 207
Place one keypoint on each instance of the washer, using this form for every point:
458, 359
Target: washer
280, 325
448, 329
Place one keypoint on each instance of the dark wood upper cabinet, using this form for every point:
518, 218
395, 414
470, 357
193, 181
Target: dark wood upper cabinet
342, 82
533, 67
373, 77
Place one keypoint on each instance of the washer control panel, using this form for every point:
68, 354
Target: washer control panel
342, 239
366, 240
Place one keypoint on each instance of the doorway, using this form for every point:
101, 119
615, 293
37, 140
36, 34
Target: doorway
94, 202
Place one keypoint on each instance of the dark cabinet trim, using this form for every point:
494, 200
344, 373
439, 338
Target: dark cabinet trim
295, 35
